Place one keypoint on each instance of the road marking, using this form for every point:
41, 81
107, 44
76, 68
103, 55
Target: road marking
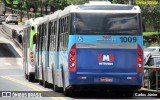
13, 75
34, 87
19, 63
7, 63
7, 67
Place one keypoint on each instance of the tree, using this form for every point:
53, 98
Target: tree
77, 1
150, 13
58, 4
11, 4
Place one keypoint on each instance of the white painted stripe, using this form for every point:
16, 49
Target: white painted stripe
12, 75
19, 63
7, 63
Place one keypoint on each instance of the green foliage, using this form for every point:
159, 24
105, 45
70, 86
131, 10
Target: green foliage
12, 1
150, 33
120, 1
77, 1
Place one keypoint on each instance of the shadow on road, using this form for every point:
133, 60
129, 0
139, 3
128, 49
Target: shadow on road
7, 50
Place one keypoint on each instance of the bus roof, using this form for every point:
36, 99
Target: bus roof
28, 22
37, 20
54, 15
101, 7
98, 3
44, 19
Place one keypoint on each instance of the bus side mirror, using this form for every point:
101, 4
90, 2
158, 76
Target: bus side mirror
34, 39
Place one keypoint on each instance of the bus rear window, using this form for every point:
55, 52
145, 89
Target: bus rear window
106, 23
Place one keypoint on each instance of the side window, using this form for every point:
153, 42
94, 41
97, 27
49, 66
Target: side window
49, 35
150, 62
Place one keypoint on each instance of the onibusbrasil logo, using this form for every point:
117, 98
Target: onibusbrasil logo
146, 2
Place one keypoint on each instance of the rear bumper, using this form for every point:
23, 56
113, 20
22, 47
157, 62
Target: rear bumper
102, 87
12, 21
82, 78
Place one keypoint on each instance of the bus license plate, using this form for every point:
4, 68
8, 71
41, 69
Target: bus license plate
106, 79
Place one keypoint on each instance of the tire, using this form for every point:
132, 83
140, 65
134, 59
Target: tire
26, 76
16, 23
40, 82
45, 84
129, 94
56, 88
31, 77
67, 93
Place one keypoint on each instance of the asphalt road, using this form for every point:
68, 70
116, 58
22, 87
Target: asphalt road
13, 82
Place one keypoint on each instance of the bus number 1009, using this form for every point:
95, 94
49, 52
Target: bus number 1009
128, 39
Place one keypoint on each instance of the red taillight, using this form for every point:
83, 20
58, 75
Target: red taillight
31, 57
72, 55
31, 53
139, 59
32, 60
154, 69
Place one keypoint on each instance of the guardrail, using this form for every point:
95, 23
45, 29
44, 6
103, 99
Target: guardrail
148, 78
7, 29
12, 32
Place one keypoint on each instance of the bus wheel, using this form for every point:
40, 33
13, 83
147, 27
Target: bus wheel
128, 94
31, 77
40, 82
26, 76
67, 93
45, 84
56, 88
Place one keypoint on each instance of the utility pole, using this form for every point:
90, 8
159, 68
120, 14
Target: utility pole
21, 10
41, 7
27, 9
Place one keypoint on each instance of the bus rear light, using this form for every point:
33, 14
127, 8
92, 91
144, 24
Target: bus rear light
72, 65
139, 59
139, 65
72, 53
81, 77
32, 60
154, 69
72, 59
131, 78
31, 53
31, 56
106, 36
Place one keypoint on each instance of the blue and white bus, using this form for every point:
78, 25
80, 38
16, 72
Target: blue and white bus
96, 46
41, 48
